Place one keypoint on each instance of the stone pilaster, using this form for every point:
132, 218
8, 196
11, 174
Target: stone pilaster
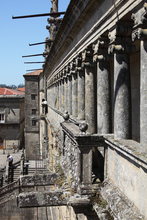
140, 33
122, 96
65, 93
62, 95
86, 164
69, 95
103, 86
74, 90
81, 88
90, 91
143, 92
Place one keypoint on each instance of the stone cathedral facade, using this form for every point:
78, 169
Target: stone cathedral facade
96, 80
92, 116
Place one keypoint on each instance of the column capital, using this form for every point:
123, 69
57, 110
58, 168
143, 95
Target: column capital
139, 17
78, 63
121, 46
139, 34
100, 47
87, 56
72, 65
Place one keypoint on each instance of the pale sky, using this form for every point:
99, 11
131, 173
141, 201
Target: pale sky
17, 34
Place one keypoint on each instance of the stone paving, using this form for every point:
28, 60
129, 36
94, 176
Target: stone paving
3, 157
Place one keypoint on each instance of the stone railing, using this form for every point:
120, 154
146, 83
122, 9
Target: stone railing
77, 156
9, 188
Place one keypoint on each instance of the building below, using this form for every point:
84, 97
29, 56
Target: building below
32, 110
11, 119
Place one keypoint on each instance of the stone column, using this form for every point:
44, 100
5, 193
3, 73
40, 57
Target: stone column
62, 95
86, 164
69, 95
122, 96
141, 34
81, 95
65, 94
58, 85
90, 91
143, 92
56, 94
81, 87
74, 95
103, 96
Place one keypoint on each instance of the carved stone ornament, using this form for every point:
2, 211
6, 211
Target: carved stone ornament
66, 116
139, 34
87, 53
78, 61
115, 48
112, 36
140, 17
83, 127
72, 65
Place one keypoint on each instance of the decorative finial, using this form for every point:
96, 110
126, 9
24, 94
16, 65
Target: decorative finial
66, 116
83, 127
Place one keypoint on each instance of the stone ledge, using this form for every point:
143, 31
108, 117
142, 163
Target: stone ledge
52, 198
130, 149
40, 199
120, 206
38, 180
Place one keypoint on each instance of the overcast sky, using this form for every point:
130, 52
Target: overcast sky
15, 36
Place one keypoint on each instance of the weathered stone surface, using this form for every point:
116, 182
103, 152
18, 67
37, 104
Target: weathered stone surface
143, 95
74, 96
120, 206
103, 98
39, 199
122, 118
81, 96
40, 179
90, 95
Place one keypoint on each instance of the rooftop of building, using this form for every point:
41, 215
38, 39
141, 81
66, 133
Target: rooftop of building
34, 73
6, 91
21, 89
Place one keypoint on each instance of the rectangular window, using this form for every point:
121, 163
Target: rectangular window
34, 111
33, 96
2, 118
34, 122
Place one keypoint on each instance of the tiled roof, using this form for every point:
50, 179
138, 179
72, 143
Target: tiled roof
6, 91
35, 73
21, 89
